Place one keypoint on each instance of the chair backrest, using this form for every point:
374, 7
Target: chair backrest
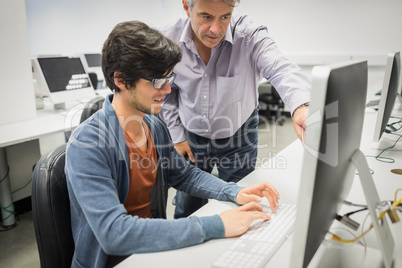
94, 79
91, 107
51, 210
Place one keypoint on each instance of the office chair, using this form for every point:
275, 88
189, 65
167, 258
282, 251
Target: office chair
273, 103
94, 79
51, 210
91, 107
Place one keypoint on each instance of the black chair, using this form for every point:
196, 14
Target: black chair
51, 210
94, 79
269, 97
91, 107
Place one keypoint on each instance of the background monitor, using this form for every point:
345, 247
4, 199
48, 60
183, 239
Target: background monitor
62, 78
389, 93
333, 134
92, 64
93, 60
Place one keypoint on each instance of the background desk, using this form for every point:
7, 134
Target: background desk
21, 147
284, 172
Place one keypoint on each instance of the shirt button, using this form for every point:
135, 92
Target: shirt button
205, 75
206, 130
204, 116
205, 96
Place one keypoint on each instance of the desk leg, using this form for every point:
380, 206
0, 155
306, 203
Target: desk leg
6, 201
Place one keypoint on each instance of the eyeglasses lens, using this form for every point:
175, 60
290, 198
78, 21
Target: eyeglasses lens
160, 83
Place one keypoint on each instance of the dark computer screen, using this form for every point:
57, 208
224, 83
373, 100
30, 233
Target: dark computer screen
93, 60
64, 73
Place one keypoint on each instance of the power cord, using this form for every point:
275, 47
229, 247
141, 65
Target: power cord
387, 159
392, 130
9, 209
391, 213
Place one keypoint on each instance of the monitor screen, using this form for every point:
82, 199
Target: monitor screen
333, 134
62, 78
389, 94
93, 59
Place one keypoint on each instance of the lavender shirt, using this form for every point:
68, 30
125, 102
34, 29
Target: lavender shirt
214, 100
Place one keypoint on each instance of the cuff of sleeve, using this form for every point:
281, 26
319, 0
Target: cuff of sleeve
177, 134
302, 100
231, 190
302, 105
212, 227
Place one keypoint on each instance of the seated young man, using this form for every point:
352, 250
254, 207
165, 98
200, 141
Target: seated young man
120, 163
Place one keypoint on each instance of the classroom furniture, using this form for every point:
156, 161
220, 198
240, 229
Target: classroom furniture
51, 210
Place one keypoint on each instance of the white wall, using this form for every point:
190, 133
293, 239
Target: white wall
76, 26
309, 31
17, 102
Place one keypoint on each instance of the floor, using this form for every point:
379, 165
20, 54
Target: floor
18, 246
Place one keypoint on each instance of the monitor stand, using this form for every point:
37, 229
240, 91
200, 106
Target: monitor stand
382, 229
335, 254
388, 141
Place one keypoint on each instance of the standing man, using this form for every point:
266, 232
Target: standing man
120, 163
211, 112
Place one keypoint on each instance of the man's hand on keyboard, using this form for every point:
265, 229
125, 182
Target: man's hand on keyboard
255, 192
238, 220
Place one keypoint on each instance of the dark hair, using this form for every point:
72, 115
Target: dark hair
136, 50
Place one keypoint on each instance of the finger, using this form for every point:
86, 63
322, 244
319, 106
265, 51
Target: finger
190, 155
271, 189
273, 203
260, 215
254, 198
252, 206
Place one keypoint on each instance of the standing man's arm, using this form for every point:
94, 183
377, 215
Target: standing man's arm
299, 120
287, 78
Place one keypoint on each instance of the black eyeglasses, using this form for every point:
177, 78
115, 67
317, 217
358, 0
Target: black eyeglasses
159, 83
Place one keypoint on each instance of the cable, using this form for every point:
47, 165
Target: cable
387, 159
394, 205
396, 197
360, 242
5, 177
353, 204
6, 209
23, 186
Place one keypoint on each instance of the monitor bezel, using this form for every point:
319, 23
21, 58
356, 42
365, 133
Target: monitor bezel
389, 93
321, 112
60, 97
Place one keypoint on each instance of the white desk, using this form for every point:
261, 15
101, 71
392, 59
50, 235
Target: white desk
284, 173
47, 122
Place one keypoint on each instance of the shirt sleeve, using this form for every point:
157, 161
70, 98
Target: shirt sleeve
287, 78
170, 114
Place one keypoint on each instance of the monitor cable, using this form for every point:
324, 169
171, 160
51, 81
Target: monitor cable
391, 211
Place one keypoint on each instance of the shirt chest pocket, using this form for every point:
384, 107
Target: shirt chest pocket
230, 90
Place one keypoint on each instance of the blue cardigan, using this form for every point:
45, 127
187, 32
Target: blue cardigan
97, 173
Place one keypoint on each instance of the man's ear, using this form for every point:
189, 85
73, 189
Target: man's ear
186, 7
119, 82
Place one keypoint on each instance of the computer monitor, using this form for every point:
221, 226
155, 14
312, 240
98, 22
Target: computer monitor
92, 64
93, 59
332, 140
389, 93
62, 78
